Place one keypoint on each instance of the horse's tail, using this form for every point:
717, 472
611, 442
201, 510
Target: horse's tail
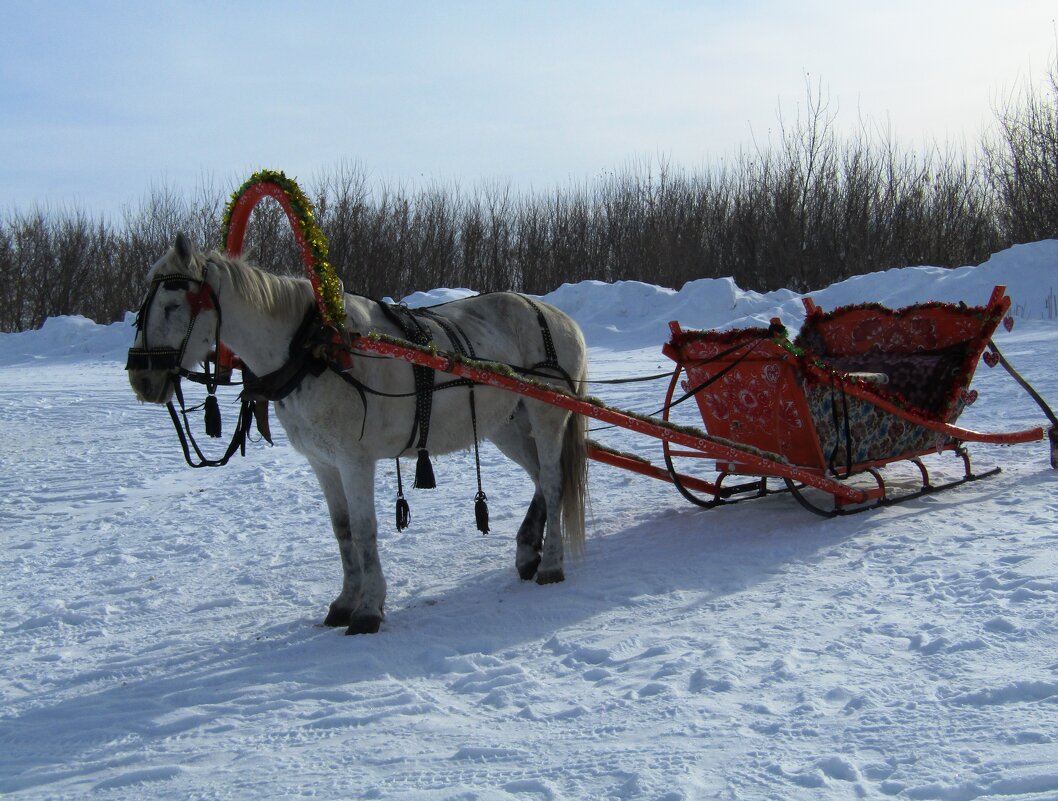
575, 480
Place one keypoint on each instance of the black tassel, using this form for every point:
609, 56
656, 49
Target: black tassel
212, 416
403, 513
424, 478
481, 512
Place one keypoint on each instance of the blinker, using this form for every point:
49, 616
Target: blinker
140, 359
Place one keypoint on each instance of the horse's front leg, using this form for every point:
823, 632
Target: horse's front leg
363, 568
341, 608
360, 603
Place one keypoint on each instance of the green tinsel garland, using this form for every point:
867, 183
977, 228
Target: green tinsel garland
327, 284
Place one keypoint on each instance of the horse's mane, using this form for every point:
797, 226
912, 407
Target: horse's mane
274, 294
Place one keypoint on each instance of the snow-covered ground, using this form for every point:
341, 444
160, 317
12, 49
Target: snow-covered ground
161, 639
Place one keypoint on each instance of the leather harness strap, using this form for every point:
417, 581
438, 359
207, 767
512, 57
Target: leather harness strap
301, 361
308, 355
550, 361
418, 334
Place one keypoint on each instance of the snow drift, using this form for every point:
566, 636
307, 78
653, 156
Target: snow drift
160, 637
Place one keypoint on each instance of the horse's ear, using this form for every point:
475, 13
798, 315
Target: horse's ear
182, 246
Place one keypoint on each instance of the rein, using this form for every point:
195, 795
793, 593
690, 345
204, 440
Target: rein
247, 413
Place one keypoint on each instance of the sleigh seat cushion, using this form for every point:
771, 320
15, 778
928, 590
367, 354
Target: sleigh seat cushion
926, 380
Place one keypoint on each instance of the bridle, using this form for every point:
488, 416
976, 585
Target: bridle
200, 297
170, 359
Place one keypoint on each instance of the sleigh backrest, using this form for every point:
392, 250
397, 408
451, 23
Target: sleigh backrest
927, 352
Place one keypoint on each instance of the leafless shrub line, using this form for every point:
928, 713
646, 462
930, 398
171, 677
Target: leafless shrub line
802, 213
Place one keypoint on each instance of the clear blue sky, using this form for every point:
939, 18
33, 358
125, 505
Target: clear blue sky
100, 102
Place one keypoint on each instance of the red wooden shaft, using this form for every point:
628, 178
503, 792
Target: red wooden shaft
648, 469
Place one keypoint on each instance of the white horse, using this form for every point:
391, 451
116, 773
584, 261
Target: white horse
342, 427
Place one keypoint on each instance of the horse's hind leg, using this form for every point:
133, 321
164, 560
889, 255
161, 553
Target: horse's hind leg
515, 441
551, 555
553, 431
531, 537
533, 439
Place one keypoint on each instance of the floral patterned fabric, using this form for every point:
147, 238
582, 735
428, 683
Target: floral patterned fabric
875, 435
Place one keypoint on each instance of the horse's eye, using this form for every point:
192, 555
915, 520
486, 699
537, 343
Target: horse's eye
175, 286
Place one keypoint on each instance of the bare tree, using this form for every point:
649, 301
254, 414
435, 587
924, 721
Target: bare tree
1022, 163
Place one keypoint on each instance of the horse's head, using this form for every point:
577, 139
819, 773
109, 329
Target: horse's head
176, 326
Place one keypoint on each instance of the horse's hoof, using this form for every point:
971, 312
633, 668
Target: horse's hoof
551, 576
364, 624
528, 570
337, 618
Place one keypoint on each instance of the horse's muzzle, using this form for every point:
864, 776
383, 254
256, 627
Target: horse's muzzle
152, 386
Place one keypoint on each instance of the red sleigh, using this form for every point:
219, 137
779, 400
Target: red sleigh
859, 388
